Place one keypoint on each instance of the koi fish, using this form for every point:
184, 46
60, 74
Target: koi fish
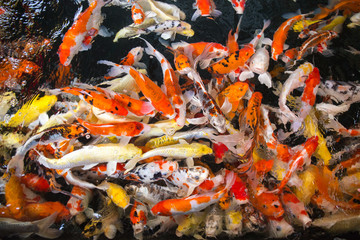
214, 222
32, 110
239, 57
133, 58
129, 129
295, 80
205, 8
279, 228
90, 155
238, 5
108, 222
36, 211
153, 171
346, 5
137, 14
150, 90
267, 203
188, 178
299, 159
259, 64
53, 134
35, 182
82, 32
290, 55
233, 221
171, 82
280, 36
150, 193
79, 201
192, 203
11, 227
252, 111
315, 40
190, 225
116, 193
138, 218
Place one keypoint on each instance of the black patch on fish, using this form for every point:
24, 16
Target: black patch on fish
91, 101
157, 175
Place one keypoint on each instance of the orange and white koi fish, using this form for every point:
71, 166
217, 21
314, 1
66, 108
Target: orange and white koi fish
315, 40
252, 111
290, 55
300, 158
79, 200
35, 182
238, 5
137, 13
193, 203
238, 58
296, 208
347, 6
133, 58
138, 218
205, 8
96, 99
101, 170
295, 80
129, 129
172, 86
153, 171
150, 89
82, 32
280, 36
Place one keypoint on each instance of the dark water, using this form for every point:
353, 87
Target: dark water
27, 19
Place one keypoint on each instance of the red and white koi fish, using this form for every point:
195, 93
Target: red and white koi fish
138, 218
316, 40
308, 97
193, 203
205, 8
172, 86
150, 89
300, 158
153, 171
238, 5
79, 200
295, 207
82, 32
187, 179
280, 36
137, 13
101, 170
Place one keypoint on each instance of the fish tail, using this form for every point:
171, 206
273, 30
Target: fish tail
150, 49
146, 108
44, 227
230, 179
115, 69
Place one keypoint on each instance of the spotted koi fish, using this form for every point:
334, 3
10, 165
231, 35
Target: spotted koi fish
205, 8
138, 217
137, 14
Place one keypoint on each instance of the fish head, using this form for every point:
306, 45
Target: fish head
137, 52
138, 228
202, 149
196, 175
93, 228
259, 62
218, 123
213, 225
219, 50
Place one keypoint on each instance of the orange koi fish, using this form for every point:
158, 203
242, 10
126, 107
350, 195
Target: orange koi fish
81, 33
129, 129
267, 203
252, 112
182, 61
290, 55
280, 36
97, 99
137, 13
309, 95
138, 217
133, 57
15, 198
36, 211
150, 89
299, 159
238, 58
315, 40
171, 82
205, 8
348, 6
193, 203
231, 42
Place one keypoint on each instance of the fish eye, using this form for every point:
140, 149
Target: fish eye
98, 225
87, 136
92, 228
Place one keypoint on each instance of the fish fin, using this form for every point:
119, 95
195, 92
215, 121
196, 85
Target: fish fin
89, 166
124, 140
189, 162
267, 41
216, 13
43, 118
227, 106
140, 65
115, 69
286, 46
110, 231
146, 108
246, 75
265, 78
196, 14
44, 227
131, 164
190, 191
188, 95
204, 63
104, 32
111, 168
17, 162
197, 121
167, 35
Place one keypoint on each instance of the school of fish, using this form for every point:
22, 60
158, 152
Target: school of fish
184, 155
